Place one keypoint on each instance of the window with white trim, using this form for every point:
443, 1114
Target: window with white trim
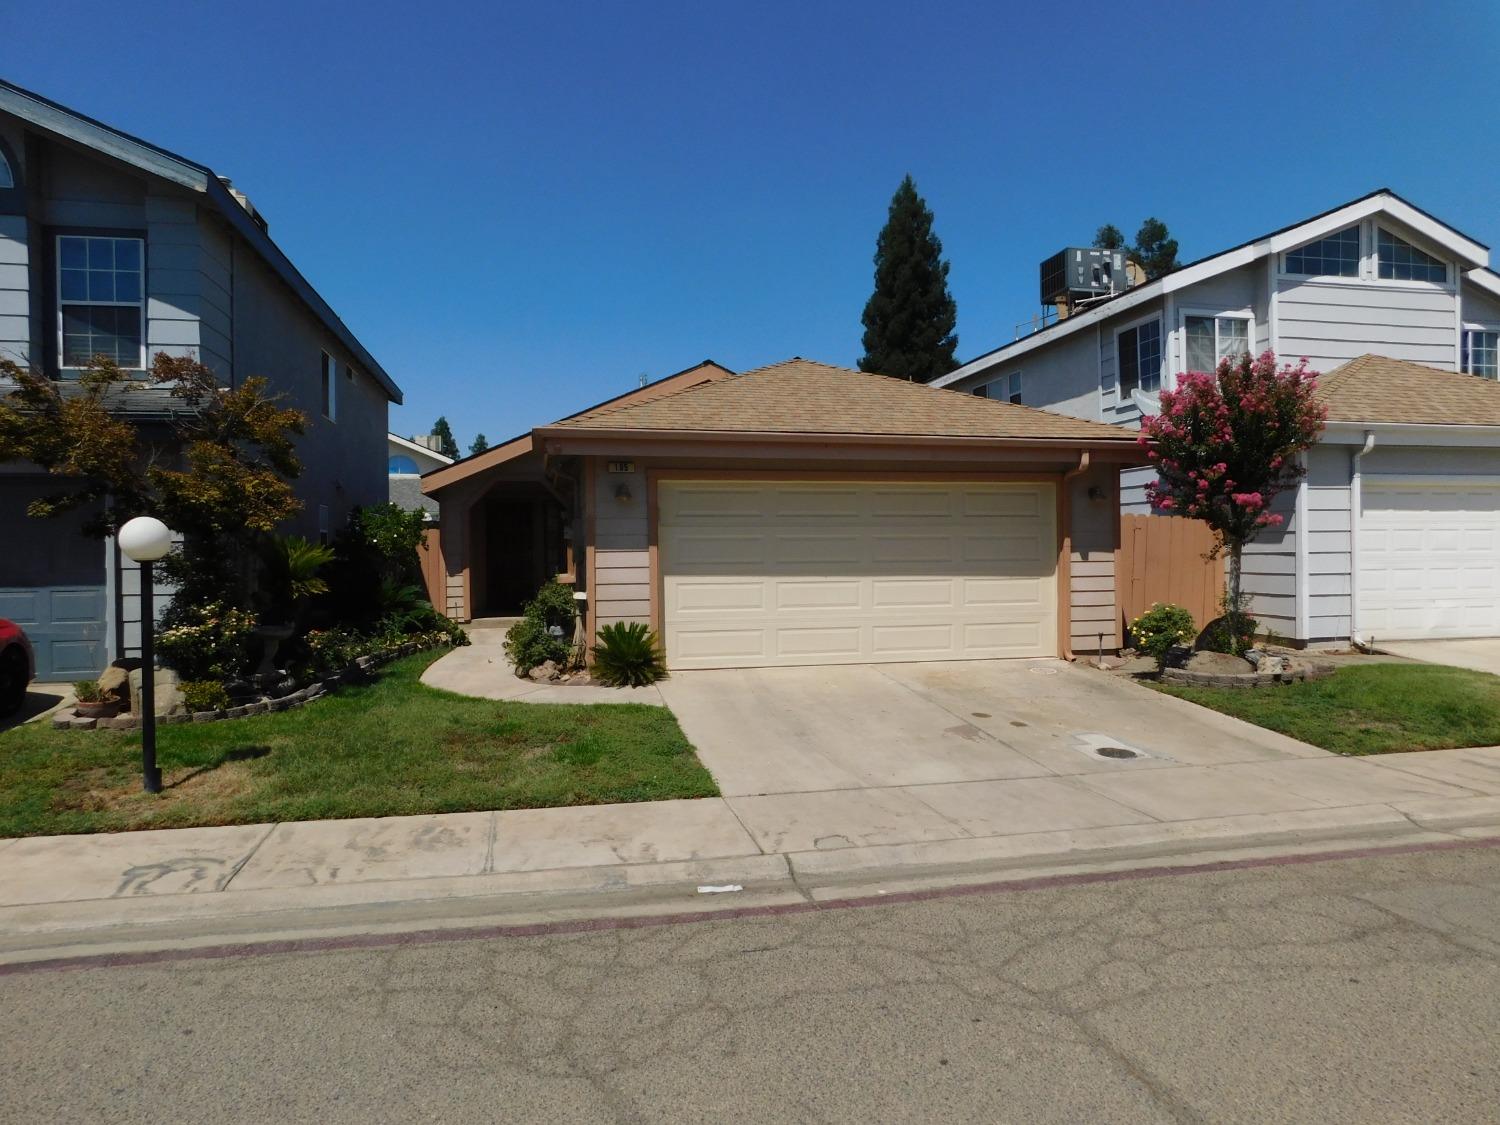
400, 465
1007, 388
1138, 353
101, 299
329, 386
1399, 260
1337, 255
1212, 338
1481, 352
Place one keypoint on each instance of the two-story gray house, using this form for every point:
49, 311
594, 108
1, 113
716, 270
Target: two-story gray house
1395, 532
109, 244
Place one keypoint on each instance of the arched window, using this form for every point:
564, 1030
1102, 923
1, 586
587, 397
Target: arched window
7, 177
402, 466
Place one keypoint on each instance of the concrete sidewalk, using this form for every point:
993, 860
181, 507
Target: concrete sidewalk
61, 891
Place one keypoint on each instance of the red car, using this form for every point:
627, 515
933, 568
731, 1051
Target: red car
17, 666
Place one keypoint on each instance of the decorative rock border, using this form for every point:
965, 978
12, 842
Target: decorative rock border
353, 673
1300, 673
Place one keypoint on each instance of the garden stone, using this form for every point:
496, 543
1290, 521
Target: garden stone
1219, 664
77, 723
114, 686
168, 692
120, 722
62, 721
205, 716
257, 708
174, 720
547, 670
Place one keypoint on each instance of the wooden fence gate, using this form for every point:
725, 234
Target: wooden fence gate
434, 574
1162, 560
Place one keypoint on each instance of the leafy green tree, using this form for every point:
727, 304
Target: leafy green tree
481, 443
909, 318
447, 444
1155, 249
1108, 237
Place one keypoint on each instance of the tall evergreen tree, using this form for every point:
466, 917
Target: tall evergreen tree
481, 443
1155, 249
909, 318
447, 444
1108, 237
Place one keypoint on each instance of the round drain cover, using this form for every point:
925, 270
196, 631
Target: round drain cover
1116, 752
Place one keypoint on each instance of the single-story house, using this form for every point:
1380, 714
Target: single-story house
802, 514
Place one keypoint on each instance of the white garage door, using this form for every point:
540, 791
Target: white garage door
785, 573
1429, 560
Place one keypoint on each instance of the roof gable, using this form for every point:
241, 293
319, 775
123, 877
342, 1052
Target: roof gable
1471, 254
1378, 389
801, 397
69, 125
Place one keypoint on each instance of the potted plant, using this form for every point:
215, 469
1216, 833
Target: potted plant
91, 703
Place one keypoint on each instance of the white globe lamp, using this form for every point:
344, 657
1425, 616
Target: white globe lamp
145, 539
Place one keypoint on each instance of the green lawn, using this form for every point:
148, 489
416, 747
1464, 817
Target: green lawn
392, 747
1370, 708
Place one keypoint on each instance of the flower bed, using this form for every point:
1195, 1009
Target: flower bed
359, 667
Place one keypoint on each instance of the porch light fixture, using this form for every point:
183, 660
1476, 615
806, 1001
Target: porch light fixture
622, 493
145, 540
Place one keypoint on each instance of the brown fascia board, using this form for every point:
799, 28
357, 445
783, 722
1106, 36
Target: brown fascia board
601, 442
436, 479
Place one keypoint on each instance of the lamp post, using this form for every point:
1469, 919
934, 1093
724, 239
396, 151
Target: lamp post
146, 540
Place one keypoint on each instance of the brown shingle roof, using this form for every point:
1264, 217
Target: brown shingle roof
799, 396
1376, 388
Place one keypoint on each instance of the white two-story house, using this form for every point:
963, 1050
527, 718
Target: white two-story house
1395, 531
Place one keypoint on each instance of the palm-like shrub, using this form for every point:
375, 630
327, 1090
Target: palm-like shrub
628, 655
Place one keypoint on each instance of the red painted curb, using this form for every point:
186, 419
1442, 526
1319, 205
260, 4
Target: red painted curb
595, 925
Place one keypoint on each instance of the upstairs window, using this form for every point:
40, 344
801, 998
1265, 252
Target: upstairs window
1481, 353
1007, 388
1399, 260
1334, 256
402, 466
1212, 338
329, 387
1138, 350
101, 307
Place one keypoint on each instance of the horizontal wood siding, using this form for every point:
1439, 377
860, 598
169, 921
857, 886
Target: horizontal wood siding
1332, 322
15, 290
1094, 617
1329, 532
622, 558
1269, 569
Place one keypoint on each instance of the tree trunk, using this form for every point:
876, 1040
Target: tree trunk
1236, 608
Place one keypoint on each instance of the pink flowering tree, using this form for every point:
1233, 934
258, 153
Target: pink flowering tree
1225, 445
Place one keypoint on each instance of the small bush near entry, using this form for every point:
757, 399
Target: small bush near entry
1160, 628
531, 642
628, 655
87, 691
204, 695
1233, 633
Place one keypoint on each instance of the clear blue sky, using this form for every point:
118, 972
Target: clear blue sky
521, 208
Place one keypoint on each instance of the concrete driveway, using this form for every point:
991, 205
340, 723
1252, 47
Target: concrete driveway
820, 759
1482, 654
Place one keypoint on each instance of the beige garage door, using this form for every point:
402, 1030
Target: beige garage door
785, 573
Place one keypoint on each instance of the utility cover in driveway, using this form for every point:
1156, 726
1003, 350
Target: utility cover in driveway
759, 573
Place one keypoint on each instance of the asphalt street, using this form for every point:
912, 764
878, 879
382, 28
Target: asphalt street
1357, 990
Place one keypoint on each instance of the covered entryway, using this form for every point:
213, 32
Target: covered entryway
1429, 558
760, 573
52, 584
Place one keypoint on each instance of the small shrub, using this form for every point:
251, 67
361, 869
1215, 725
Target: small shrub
529, 645
204, 695
213, 643
1160, 628
545, 632
628, 655
1231, 633
87, 691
